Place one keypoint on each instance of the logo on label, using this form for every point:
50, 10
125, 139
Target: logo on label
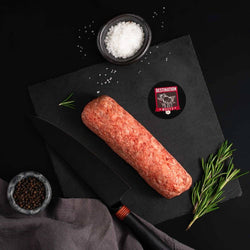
166, 99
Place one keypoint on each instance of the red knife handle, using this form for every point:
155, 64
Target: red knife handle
148, 238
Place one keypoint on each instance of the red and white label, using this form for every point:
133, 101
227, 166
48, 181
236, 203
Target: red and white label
166, 99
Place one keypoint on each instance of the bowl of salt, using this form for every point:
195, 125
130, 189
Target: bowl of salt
124, 39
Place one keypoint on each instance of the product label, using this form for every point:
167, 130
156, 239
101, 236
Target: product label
166, 99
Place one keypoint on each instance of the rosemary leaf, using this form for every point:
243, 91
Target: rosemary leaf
67, 102
208, 192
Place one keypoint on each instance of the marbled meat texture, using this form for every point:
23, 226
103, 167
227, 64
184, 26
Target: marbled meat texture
136, 145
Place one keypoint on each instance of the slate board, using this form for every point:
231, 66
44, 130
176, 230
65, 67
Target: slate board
193, 134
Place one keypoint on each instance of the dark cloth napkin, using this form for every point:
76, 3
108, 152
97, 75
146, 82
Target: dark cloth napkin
69, 224
193, 134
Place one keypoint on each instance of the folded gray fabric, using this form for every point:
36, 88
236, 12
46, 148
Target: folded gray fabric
69, 224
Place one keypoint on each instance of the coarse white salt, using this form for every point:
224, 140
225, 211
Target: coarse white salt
124, 39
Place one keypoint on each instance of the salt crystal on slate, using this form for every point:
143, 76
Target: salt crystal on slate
98, 91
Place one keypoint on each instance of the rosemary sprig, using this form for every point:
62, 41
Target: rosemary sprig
67, 102
208, 192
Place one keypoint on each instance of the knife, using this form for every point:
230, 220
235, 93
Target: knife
108, 185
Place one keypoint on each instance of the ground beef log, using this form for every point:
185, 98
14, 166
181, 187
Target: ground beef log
136, 145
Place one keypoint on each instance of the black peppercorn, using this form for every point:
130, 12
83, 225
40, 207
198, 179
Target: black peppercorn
29, 193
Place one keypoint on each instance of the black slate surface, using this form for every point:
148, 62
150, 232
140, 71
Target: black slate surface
193, 134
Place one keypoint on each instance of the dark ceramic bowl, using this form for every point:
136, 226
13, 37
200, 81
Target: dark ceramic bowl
104, 30
19, 177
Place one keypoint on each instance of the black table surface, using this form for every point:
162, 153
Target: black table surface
39, 41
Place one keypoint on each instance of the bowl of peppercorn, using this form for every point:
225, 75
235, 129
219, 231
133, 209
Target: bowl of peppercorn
29, 192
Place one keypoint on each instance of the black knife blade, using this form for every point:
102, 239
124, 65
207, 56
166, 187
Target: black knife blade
108, 185
105, 183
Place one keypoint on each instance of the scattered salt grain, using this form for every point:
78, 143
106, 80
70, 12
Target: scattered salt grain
98, 91
124, 39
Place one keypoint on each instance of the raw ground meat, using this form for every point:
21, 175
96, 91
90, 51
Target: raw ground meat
136, 145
